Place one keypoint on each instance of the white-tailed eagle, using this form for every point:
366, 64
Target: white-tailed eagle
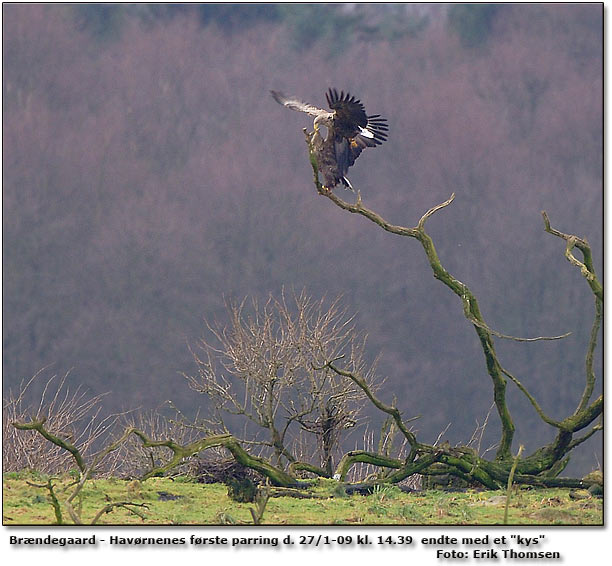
349, 131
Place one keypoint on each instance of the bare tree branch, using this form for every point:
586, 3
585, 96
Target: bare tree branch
268, 365
586, 269
584, 414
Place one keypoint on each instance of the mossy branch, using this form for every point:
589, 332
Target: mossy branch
532, 400
276, 476
471, 308
590, 373
38, 426
464, 463
306, 467
354, 456
472, 468
586, 269
576, 441
390, 410
585, 413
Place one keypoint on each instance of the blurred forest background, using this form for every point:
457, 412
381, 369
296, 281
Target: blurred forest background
148, 177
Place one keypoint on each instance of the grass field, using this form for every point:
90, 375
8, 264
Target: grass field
182, 502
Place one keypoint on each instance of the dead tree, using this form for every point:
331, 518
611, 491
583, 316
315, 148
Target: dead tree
267, 370
542, 466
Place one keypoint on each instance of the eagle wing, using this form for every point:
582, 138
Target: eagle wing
296, 104
352, 122
350, 131
354, 130
350, 116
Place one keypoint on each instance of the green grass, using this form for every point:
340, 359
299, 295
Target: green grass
209, 504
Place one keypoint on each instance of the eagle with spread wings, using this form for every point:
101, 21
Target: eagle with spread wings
349, 131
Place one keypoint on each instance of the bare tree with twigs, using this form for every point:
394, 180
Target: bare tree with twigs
267, 367
70, 412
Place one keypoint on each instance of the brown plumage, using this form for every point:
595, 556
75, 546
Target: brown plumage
349, 131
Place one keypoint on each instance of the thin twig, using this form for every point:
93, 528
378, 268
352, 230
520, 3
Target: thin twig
484, 326
510, 479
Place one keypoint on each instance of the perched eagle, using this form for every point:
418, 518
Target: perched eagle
349, 131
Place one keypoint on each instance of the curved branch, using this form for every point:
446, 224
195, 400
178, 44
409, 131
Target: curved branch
586, 436
351, 458
358, 208
277, 476
586, 269
392, 411
583, 415
482, 325
415, 467
532, 400
590, 374
38, 426
432, 211
470, 469
471, 308
305, 466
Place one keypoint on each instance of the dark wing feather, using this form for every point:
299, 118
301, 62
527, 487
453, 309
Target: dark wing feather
350, 113
354, 130
352, 122
347, 151
378, 127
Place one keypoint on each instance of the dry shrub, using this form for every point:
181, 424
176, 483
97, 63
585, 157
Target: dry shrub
71, 414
